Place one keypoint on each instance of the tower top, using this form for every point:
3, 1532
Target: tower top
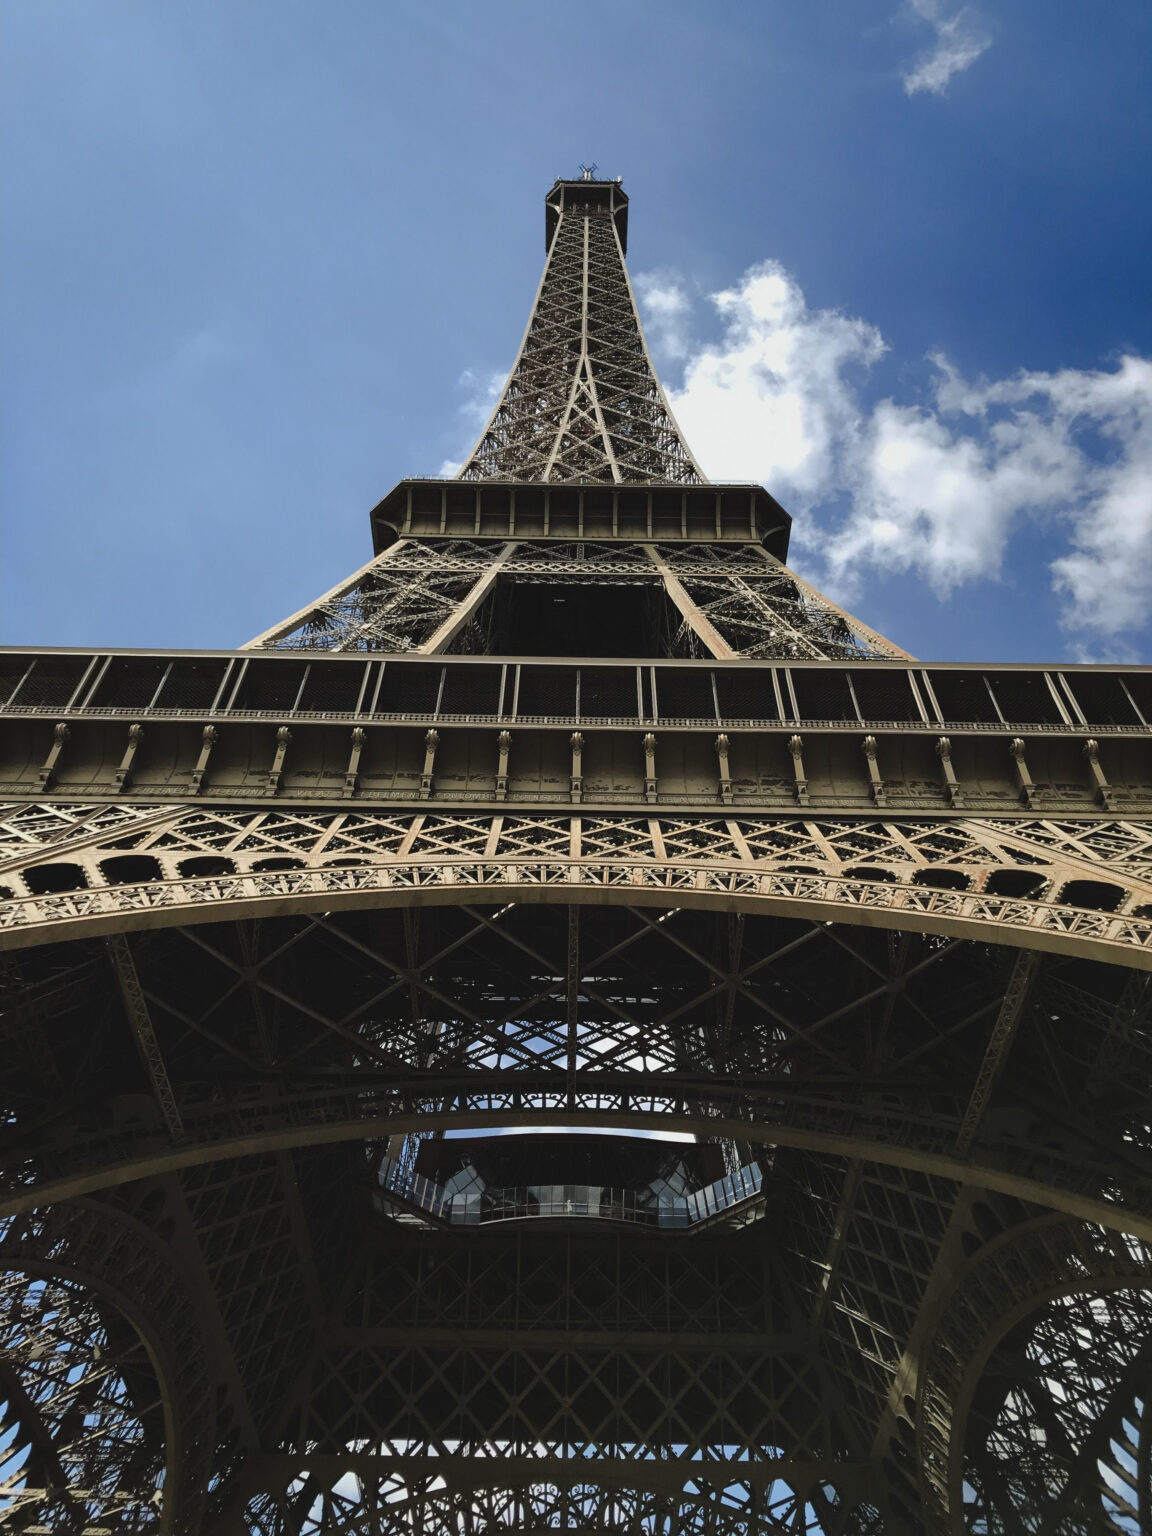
586, 191
583, 403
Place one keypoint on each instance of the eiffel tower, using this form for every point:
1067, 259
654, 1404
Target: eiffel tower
574, 1031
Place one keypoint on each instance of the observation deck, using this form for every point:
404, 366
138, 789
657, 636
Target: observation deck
663, 1191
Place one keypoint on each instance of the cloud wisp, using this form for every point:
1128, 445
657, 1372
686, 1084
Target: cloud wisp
958, 42
481, 392
666, 311
938, 486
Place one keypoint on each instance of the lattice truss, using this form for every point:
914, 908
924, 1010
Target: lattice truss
450, 596
421, 1436
583, 401
1063, 1409
761, 609
105, 1426
70, 864
1104, 847
76, 1437
1032, 1406
394, 603
398, 1504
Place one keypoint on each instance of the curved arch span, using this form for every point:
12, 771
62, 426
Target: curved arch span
1015, 1276
168, 1158
1113, 937
61, 1273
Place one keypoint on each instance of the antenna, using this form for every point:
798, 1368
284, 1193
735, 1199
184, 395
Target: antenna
588, 172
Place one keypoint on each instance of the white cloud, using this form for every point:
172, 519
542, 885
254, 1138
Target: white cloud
930, 492
667, 309
958, 42
481, 391
773, 401
938, 486
1107, 575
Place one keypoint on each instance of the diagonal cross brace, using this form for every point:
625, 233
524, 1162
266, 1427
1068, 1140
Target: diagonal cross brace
140, 1022
999, 1042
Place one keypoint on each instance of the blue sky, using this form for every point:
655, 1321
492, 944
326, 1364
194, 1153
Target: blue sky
261, 258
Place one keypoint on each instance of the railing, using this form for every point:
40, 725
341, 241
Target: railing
724, 1193
414, 1189
763, 724
564, 1201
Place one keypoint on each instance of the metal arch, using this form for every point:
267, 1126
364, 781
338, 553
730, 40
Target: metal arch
329, 1119
397, 1503
91, 1251
1013, 1276
1116, 938
865, 871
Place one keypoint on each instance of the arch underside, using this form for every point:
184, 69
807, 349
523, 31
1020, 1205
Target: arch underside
79, 1441
891, 1069
1086, 1445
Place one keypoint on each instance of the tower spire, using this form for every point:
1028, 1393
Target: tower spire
582, 456
582, 401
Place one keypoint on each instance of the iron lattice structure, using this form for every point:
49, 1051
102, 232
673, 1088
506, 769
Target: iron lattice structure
576, 810
583, 402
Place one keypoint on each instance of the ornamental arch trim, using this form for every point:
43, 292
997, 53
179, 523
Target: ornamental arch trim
860, 871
